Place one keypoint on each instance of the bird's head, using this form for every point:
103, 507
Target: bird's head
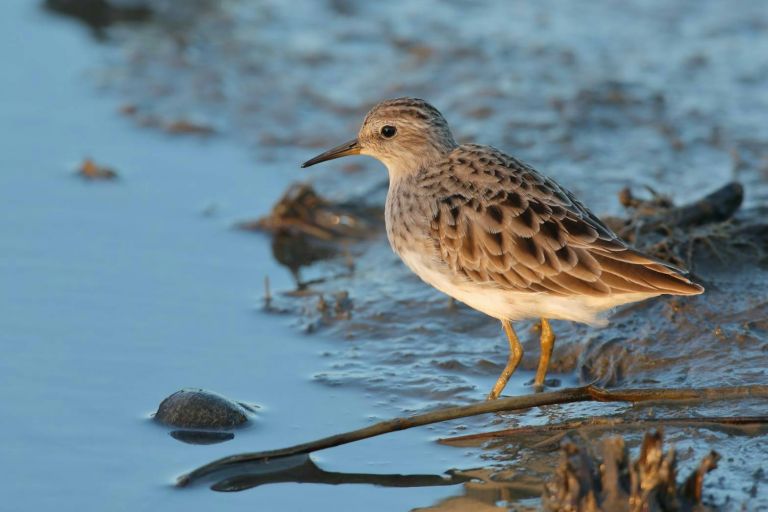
405, 134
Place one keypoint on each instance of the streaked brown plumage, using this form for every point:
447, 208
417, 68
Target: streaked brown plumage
492, 232
504, 223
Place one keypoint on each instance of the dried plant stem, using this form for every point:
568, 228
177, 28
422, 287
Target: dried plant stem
587, 393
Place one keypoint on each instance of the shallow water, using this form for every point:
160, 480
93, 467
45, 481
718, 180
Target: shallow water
116, 294
119, 293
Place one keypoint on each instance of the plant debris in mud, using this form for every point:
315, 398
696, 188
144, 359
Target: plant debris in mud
90, 170
306, 227
584, 482
184, 126
677, 233
301, 210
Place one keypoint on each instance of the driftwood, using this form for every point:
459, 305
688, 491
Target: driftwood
571, 395
584, 482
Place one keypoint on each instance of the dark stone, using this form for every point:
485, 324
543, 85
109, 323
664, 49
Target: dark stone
198, 408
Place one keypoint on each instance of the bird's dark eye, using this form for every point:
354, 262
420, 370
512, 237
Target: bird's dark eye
388, 131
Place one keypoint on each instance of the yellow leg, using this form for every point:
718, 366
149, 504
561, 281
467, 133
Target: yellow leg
515, 355
547, 344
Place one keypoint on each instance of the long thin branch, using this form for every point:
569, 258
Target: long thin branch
742, 422
571, 395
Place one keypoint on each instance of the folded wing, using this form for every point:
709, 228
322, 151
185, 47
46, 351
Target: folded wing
513, 228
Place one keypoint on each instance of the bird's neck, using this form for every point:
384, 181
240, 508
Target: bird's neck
404, 165
399, 169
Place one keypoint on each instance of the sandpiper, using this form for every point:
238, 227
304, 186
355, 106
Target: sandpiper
493, 233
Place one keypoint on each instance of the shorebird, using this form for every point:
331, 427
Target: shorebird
490, 231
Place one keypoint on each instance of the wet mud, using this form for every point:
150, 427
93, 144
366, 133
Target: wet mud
680, 113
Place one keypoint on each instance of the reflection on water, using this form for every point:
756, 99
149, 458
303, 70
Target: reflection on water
493, 490
302, 469
201, 436
484, 488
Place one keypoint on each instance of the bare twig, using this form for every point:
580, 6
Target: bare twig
613, 422
587, 393
267, 294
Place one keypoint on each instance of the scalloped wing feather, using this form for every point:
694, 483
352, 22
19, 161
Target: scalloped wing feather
501, 223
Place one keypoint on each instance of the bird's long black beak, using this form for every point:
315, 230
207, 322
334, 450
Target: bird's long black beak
348, 148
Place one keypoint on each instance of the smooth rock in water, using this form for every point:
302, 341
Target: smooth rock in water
198, 408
